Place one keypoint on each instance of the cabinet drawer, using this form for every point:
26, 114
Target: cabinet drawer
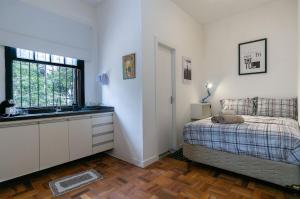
103, 147
103, 138
102, 120
103, 129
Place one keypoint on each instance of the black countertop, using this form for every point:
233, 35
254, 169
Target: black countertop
102, 109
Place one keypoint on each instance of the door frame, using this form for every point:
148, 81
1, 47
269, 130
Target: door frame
158, 43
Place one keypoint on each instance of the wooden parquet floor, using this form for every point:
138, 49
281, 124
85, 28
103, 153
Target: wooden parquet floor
165, 179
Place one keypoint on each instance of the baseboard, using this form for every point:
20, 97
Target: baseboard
149, 161
128, 159
138, 163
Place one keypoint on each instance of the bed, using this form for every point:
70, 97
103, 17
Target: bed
266, 148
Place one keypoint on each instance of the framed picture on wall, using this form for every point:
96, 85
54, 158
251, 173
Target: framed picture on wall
129, 66
253, 57
187, 69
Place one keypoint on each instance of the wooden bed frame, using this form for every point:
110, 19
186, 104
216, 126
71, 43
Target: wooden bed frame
279, 173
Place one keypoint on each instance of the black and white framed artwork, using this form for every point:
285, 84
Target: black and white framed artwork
187, 69
253, 57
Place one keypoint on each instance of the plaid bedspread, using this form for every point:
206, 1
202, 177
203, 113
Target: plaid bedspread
271, 138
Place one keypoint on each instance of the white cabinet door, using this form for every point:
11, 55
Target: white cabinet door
80, 138
54, 144
19, 151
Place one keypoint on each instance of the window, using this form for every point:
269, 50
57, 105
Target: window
37, 79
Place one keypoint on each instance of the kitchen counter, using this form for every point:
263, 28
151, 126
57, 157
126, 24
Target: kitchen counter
44, 139
102, 109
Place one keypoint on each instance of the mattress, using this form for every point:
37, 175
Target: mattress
271, 171
271, 138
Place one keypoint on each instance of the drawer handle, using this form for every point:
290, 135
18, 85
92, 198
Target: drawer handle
104, 124
53, 121
104, 115
102, 143
18, 124
79, 118
104, 133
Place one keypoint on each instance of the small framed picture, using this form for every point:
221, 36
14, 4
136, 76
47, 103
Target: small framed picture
253, 57
187, 69
129, 66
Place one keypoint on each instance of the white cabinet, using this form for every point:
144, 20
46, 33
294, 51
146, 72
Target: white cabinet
80, 137
54, 143
200, 111
103, 132
27, 147
19, 151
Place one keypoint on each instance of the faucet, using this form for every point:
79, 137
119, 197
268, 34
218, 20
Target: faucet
74, 106
57, 108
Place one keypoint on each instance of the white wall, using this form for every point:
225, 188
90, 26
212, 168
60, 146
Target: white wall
171, 25
119, 35
76, 10
298, 33
276, 21
52, 26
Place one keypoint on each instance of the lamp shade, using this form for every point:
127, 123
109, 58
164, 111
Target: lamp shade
209, 85
102, 79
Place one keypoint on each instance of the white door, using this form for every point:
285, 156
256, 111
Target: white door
19, 151
163, 98
80, 138
54, 144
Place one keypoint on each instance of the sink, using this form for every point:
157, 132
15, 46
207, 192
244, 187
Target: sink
50, 111
65, 110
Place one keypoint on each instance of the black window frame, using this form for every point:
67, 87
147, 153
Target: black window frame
11, 55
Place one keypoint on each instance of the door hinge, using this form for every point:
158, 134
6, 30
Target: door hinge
172, 99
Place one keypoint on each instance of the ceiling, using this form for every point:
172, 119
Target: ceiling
92, 2
206, 11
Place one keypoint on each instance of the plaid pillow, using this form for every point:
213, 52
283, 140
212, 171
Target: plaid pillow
277, 107
239, 106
